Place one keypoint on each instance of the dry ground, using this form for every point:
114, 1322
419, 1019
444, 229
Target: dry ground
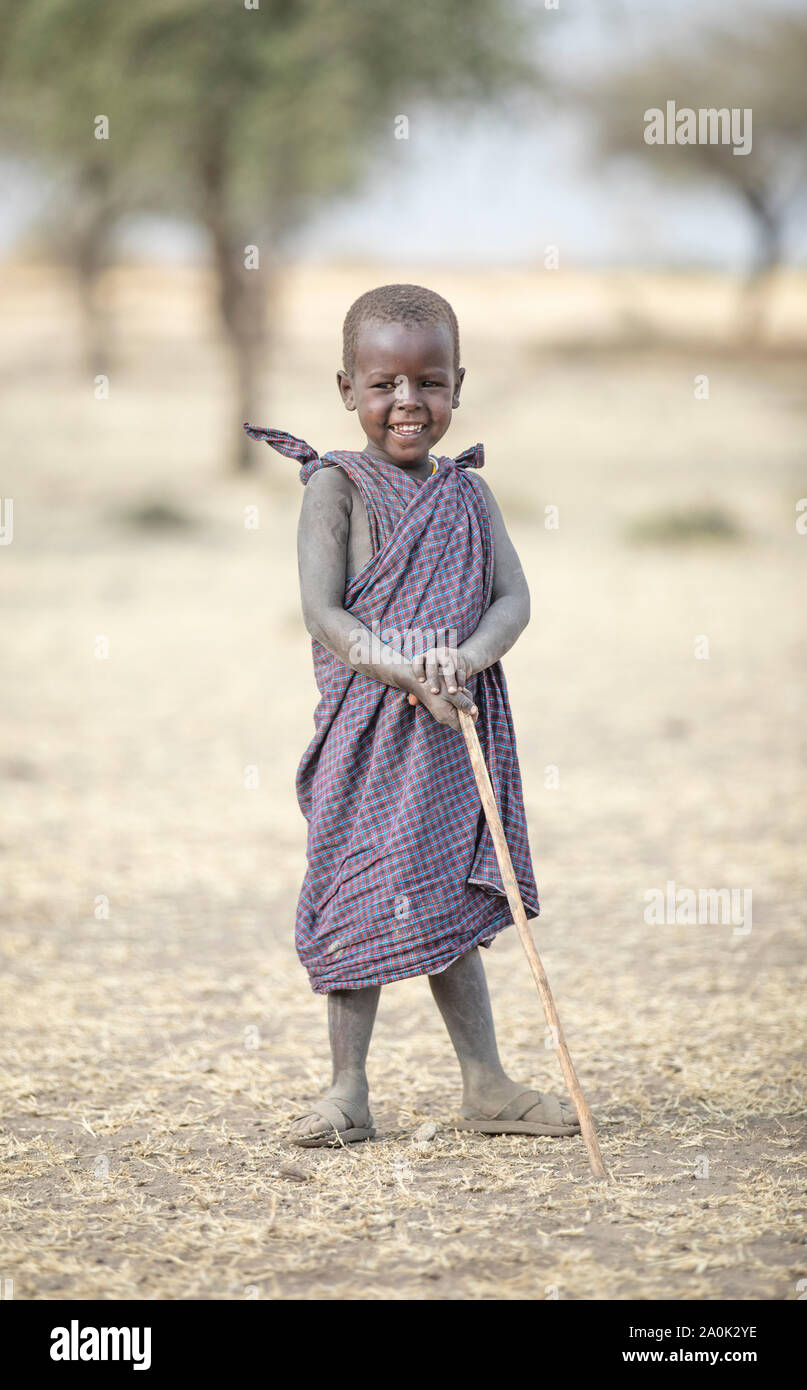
151, 1056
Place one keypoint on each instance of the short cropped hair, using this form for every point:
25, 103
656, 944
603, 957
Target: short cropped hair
396, 304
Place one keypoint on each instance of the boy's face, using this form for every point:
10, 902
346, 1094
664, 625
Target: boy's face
404, 388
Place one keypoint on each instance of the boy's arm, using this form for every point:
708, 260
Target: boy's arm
322, 548
441, 669
509, 611
322, 545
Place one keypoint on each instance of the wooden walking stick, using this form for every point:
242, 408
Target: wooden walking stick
520, 918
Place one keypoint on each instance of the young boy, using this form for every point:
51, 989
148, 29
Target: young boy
397, 548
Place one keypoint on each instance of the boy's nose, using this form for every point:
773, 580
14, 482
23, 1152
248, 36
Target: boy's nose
406, 392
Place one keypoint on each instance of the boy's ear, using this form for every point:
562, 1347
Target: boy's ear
455, 399
346, 390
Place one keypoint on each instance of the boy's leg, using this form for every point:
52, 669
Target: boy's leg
351, 1015
461, 994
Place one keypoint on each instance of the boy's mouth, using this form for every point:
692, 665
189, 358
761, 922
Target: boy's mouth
408, 431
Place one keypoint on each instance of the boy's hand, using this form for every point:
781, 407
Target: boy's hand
439, 677
442, 669
444, 707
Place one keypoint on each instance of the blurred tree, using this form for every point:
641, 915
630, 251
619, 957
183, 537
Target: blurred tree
56, 76
762, 70
247, 118
268, 111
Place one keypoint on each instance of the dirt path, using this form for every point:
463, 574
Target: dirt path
158, 1030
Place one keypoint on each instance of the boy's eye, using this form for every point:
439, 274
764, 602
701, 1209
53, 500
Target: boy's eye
392, 385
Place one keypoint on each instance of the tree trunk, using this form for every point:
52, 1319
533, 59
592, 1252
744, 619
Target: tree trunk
242, 308
96, 214
756, 290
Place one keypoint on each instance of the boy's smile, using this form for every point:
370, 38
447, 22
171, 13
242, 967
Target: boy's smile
404, 387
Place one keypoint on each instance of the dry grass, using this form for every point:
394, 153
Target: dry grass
151, 1058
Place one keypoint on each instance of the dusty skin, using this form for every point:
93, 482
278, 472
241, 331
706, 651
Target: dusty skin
158, 1029
404, 375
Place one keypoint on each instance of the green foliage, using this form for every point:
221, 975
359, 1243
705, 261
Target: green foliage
243, 119
762, 69
284, 104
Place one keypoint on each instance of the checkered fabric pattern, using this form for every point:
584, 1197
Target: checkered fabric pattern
402, 875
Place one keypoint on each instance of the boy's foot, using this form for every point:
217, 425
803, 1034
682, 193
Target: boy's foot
333, 1121
525, 1112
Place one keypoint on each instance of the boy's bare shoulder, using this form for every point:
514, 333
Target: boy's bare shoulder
329, 482
327, 497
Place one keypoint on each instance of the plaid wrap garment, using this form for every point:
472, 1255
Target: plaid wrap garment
402, 875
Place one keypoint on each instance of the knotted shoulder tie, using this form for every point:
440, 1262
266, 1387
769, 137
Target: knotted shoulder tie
471, 458
291, 446
310, 461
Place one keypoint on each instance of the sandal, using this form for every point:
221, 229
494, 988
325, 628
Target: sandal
510, 1119
339, 1127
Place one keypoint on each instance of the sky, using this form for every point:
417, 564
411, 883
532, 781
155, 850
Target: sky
501, 190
